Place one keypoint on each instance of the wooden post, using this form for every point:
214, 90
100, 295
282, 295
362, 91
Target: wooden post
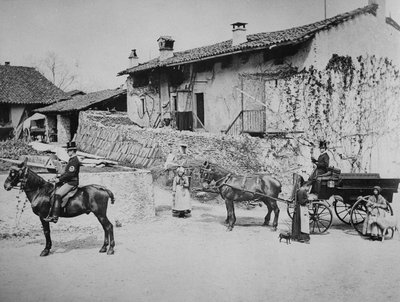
242, 100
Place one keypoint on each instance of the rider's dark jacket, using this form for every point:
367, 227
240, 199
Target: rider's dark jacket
322, 163
71, 174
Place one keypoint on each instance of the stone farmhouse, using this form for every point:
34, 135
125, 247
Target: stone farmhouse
336, 79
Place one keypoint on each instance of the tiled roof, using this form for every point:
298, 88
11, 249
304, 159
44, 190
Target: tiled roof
80, 102
255, 41
25, 85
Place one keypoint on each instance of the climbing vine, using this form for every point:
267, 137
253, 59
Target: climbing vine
350, 103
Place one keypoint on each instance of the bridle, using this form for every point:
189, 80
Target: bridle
22, 180
206, 174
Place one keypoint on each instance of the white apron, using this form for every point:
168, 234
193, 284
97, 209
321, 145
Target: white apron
304, 220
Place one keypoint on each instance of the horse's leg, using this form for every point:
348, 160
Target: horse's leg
227, 213
276, 215
111, 234
108, 234
268, 216
46, 231
231, 213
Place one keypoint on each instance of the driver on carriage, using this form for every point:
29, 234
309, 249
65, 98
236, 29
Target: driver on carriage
321, 165
67, 181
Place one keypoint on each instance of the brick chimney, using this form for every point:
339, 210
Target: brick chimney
133, 59
381, 12
166, 47
239, 33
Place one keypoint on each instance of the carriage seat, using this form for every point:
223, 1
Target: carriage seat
332, 173
69, 195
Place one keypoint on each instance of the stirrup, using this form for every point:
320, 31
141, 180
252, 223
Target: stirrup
51, 219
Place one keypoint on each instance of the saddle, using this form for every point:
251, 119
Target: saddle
68, 196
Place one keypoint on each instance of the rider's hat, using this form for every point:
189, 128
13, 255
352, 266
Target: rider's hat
323, 144
378, 188
180, 169
71, 146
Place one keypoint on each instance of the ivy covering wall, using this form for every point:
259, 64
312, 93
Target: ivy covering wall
351, 104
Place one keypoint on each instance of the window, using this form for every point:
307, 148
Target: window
141, 106
4, 114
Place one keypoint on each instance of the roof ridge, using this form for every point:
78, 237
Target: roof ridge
254, 41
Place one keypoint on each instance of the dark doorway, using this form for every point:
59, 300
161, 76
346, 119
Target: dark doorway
74, 120
200, 108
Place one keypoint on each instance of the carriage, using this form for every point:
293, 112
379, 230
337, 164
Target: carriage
346, 192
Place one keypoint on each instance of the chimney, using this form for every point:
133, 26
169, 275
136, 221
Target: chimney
7, 63
381, 11
166, 47
133, 59
239, 33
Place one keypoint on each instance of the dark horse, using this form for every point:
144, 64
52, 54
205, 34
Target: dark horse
235, 188
92, 198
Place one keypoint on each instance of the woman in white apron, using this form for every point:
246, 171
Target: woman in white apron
181, 195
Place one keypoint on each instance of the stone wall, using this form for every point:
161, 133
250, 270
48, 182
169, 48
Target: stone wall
134, 201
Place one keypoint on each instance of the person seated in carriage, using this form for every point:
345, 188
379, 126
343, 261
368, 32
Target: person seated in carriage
66, 182
321, 165
376, 207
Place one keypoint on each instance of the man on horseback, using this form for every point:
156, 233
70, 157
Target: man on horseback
66, 182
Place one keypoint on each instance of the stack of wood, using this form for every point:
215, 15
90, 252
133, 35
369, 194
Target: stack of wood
114, 145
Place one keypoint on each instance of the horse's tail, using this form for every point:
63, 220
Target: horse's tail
110, 194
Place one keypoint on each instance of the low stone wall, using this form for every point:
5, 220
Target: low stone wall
134, 201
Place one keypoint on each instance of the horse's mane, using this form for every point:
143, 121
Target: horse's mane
36, 181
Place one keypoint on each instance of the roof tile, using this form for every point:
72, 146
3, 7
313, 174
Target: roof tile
254, 41
25, 85
80, 102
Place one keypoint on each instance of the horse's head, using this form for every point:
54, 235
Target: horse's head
206, 173
211, 174
16, 175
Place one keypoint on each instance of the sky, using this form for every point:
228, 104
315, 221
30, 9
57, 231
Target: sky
94, 37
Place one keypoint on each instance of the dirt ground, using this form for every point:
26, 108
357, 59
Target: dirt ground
193, 259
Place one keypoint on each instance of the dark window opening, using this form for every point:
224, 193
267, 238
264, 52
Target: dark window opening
4, 114
200, 108
175, 101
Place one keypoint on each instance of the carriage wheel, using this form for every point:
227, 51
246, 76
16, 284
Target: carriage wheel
359, 212
342, 210
320, 217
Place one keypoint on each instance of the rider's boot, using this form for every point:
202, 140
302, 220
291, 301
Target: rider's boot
56, 210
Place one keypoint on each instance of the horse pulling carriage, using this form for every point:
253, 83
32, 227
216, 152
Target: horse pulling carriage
345, 191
